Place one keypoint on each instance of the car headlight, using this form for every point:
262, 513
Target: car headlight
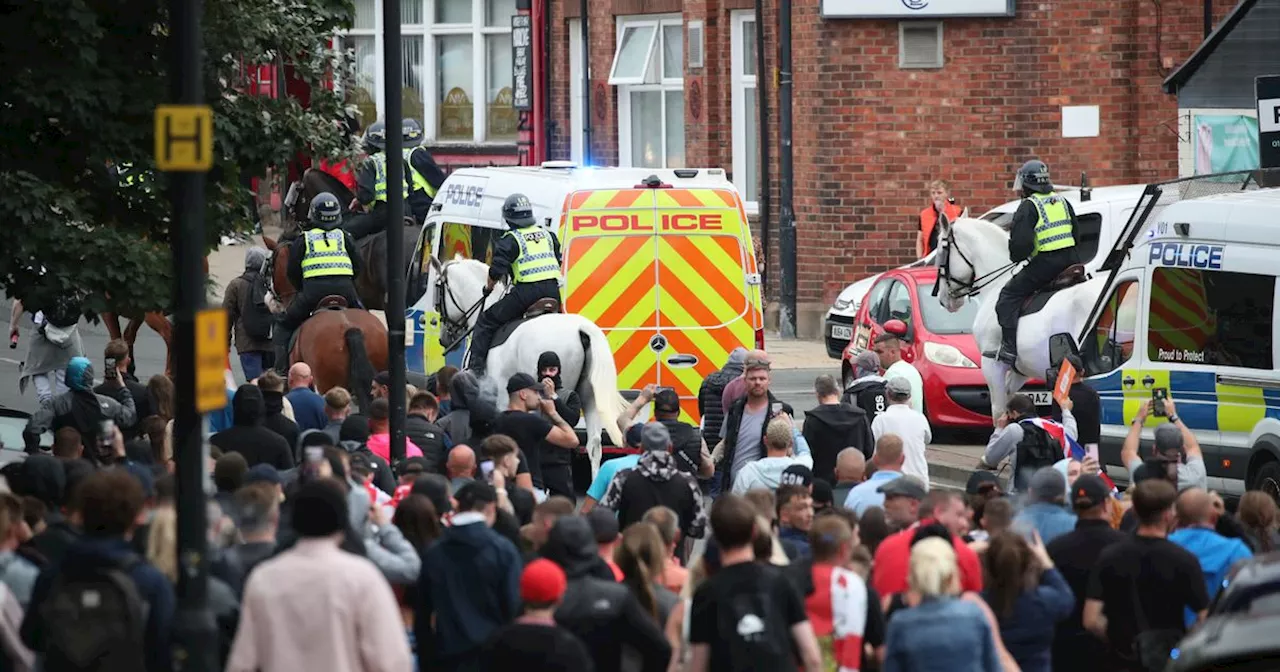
947, 355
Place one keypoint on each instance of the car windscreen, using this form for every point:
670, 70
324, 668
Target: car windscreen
939, 320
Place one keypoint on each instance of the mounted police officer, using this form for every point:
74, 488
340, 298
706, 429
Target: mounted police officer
1043, 233
530, 255
421, 170
322, 262
371, 185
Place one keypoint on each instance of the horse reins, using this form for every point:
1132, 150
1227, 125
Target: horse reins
443, 286
972, 287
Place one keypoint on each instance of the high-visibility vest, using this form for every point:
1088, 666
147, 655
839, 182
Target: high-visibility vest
420, 183
1053, 228
929, 220
326, 254
537, 260
380, 178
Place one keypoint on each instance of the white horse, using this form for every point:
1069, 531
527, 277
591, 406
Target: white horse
973, 256
586, 360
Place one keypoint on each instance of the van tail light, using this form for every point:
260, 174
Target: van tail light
759, 339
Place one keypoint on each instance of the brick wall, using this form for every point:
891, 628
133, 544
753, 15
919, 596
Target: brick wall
869, 136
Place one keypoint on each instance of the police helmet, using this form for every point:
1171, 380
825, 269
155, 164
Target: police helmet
375, 137
1033, 176
518, 211
325, 211
411, 131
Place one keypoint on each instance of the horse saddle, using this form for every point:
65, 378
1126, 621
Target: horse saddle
539, 308
330, 302
1069, 277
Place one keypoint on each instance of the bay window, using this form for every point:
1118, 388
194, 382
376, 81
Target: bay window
648, 69
455, 64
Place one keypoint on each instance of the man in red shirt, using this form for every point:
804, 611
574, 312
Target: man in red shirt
941, 507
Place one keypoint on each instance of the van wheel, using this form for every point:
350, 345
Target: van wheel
1268, 480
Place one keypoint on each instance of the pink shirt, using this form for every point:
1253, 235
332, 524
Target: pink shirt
316, 607
380, 444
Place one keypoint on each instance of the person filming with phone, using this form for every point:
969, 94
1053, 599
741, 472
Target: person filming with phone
1174, 442
557, 464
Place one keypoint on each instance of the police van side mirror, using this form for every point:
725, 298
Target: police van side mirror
1061, 345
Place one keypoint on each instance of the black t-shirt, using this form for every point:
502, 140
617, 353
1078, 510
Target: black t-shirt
528, 431
1075, 554
745, 613
537, 648
1168, 578
1086, 408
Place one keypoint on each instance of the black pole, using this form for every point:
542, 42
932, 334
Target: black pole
194, 632
1208, 17
787, 220
395, 223
586, 83
547, 123
762, 133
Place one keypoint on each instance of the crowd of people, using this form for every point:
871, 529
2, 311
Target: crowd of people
752, 541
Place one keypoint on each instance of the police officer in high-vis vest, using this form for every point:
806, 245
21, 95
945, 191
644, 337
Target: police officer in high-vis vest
530, 255
1043, 233
371, 185
322, 262
425, 175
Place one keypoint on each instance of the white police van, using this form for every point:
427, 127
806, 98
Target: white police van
1189, 308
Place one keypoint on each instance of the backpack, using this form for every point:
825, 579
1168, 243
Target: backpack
256, 316
869, 396
95, 621
1036, 450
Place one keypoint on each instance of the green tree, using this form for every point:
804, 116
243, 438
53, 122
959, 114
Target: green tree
79, 83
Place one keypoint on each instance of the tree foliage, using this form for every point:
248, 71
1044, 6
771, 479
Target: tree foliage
79, 83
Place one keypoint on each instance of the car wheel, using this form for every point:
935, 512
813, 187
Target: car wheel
1268, 479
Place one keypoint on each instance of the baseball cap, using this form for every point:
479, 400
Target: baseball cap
415, 465
1168, 438
604, 525
981, 480
1047, 485
542, 582
262, 473
796, 474
903, 486
867, 360
383, 378
1089, 491
521, 381
822, 493
898, 387
633, 435
666, 401
654, 436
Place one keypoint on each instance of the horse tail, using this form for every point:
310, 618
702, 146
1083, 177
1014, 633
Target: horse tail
599, 372
360, 371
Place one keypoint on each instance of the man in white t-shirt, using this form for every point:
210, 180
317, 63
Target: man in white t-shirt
909, 425
889, 347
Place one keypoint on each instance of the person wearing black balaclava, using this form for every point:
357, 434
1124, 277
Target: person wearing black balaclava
248, 436
557, 463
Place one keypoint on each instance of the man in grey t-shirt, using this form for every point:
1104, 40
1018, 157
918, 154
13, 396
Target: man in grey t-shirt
1172, 440
747, 447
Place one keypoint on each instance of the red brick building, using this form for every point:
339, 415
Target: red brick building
882, 106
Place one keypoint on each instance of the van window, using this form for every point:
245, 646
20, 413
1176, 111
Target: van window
1111, 344
1088, 236
416, 284
468, 242
1211, 318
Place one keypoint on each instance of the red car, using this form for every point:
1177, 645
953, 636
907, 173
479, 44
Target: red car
940, 345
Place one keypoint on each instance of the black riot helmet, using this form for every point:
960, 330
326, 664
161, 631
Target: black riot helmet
1033, 176
411, 131
325, 211
375, 137
518, 211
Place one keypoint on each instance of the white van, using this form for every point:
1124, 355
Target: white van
1190, 308
1101, 214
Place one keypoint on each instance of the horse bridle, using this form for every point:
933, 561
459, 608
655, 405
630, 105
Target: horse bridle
269, 270
973, 286
442, 295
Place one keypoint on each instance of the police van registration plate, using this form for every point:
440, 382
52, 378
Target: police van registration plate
1041, 398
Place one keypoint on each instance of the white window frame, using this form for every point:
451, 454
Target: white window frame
654, 40
741, 21
428, 31
574, 26
663, 84
937, 63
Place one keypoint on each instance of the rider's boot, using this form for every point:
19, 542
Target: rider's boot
1008, 347
280, 336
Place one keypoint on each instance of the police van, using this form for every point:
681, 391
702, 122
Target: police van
1189, 310
660, 259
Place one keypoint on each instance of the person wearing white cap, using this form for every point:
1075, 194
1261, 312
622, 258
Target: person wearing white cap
908, 424
1172, 441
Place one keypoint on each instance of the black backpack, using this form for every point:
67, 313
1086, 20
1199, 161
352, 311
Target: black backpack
869, 396
95, 621
257, 316
1036, 450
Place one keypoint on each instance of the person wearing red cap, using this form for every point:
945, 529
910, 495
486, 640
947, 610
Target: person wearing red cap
534, 642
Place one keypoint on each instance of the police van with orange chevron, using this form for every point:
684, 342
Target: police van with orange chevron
1190, 308
660, 259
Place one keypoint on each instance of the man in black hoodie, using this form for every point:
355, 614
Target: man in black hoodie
557, 463
470, 418
600, 611
832, 426
272, 386
248, 436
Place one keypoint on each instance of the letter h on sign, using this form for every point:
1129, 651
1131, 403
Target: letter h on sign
184, 138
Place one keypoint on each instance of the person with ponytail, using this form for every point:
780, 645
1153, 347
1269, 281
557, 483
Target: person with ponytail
641, 556
1028, 595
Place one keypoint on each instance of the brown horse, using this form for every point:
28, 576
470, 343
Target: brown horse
343, 346
158, 322
313, 183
